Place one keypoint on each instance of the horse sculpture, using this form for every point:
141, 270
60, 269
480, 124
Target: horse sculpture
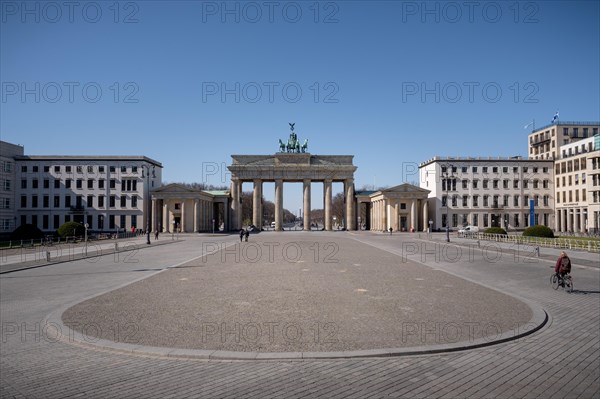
304, 146
281, 146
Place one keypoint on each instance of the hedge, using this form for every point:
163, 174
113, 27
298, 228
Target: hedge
538, 231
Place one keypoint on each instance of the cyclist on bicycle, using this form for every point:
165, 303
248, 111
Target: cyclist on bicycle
563, 265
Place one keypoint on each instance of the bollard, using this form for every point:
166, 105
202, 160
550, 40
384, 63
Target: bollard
537, 252
116, 247
47, 256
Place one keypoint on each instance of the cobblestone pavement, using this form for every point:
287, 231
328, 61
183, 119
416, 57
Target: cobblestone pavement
561, 360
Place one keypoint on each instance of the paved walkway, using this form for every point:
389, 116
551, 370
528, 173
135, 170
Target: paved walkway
560, 360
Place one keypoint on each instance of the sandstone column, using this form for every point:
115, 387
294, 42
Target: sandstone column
196, 214
182, 223
327, 194
350, 217
257, 204
306, 219
236, 217
395, 222
413, 215
425, 215
278, 204
154, 224
165, 220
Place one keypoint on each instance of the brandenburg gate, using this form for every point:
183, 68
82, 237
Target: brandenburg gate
292, 163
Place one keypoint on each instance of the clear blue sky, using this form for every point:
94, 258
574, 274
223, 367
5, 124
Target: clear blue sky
369, 74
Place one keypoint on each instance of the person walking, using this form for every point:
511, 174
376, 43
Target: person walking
241, 235
246, 235
156, 235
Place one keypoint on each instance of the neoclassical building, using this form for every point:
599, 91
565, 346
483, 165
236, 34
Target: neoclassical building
402, 208
176, 208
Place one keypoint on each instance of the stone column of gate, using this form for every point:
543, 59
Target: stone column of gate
350, 217
165, 219
425, 215
395, 221
196, 214
153, 226
182, 221
257, 204
327, 195
235, 203
413, 215
306, 220
278, 204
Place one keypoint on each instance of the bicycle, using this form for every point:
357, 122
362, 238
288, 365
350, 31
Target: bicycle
565, 281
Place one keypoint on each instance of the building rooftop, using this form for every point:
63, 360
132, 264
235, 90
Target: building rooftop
65, 158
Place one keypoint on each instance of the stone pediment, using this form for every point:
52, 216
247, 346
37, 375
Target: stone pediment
405, 188
175, 188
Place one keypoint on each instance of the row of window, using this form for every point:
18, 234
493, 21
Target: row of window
494, 169
569, 180
89, 203
571, 198
6, 166
450, 184
495, 200
78, 169
488, 220
570, 166
94, 223
126, 184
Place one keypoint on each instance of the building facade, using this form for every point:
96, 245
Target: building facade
546, 142
488, 192
107, 192
8, 209
577, 174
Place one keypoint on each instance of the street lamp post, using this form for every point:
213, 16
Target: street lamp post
85, 239
148, 198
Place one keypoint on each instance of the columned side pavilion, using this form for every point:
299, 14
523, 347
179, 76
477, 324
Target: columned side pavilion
292, 167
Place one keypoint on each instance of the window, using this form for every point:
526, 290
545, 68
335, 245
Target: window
23, 201
113, 183
536, 184
34, 183
505, 169
35, 169
122, 224
494, 169
57, 169
90, 169
485, 183
444, 201
505, 183
6, 185
484, 169
90, 183
112, 169
464, 169
112, 201
23, 183
545, 169
465, 200
4, 203
34, 201
68, 169
505, 200
515, 169
134, 221
475, 183
134, 201
516, 200
123, 169
57, 201
100, 169
46, 201
101, 201
79, 184
90, 201
465, 184
123, 201
68, 183
495, 204
474, 169
56, 222
496, 183
79, 169
402, 205
46, 183
111, 221
515, 184
486, 200
516, 220
525, 184
101, 183
45, 222
56, 183
454, 220
525, 169
23, 169
546, 183
46, 168
476, 200
67, 201
134, 169
486, 220
178, 205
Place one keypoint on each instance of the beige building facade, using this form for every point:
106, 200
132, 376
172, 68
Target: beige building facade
401, 208
176, 208
546, 142
8, 179
577, 173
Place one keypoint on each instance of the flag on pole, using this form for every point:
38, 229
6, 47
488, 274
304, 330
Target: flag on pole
555, 117
527, 125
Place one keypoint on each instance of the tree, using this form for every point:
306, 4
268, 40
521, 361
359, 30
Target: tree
71, 229
26, 232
